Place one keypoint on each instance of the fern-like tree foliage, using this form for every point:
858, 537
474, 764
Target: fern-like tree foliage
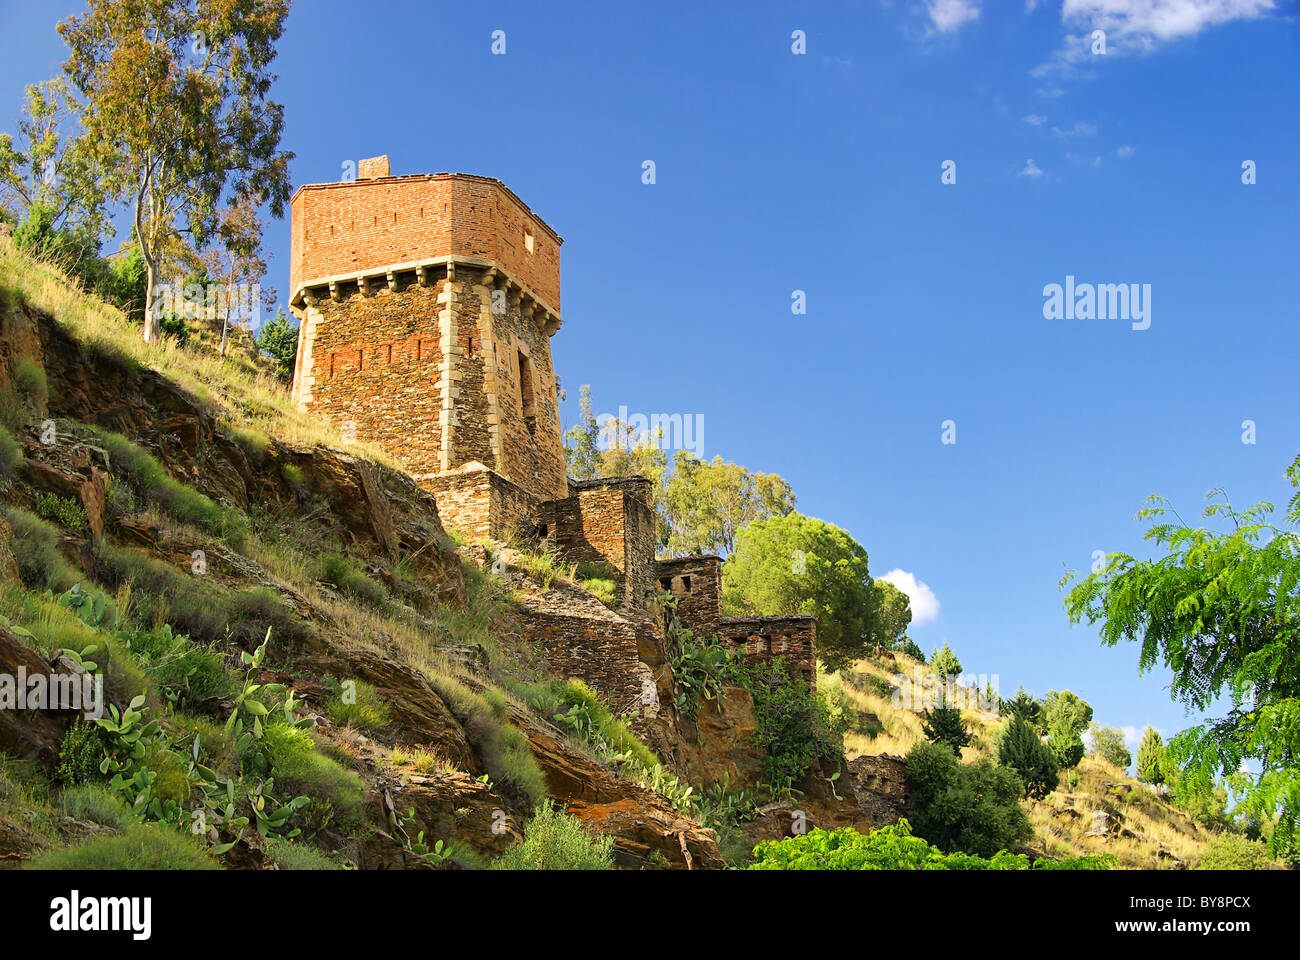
1221, 610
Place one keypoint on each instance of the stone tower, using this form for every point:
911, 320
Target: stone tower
427, 304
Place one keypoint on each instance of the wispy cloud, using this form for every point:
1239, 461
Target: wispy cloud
1080, 129
949, 15
924, 604
1034, 120
1138, 26
1031, 170
1125, 152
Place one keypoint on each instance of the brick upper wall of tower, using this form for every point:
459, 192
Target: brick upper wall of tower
338, 229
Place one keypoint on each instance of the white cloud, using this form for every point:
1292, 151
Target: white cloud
1080, 129
1125, 152
1138, 26
924, 604
1143, 24
949, 15
1031, 170
1034, 120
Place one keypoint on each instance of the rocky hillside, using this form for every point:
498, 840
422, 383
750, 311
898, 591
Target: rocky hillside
232, 564
1139, 827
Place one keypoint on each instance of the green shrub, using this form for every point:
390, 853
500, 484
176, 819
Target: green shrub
342, 572
893, 848
11, 454
155, 485
606, 591
29, 381
973, 808
575, 706
141, 846
298, 767
80, 754
182, 671
366, 711
793, 726
95, 803
553, 840
65, 511
36, 546
295, 855
503, 750
1234, 851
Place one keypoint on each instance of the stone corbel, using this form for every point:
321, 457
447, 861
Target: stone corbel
363, 284
334, 290
392, 281
310, 296
422, 275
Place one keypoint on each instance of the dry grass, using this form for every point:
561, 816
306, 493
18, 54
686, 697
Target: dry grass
245, 395
1144, 831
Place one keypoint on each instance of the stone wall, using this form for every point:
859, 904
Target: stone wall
696, 584
763, 639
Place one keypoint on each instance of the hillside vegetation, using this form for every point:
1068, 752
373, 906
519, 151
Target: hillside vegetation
1141, 829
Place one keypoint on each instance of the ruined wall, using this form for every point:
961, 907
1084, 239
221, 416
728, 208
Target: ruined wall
601, 652
696, 584
607, 521
482, 505
763, 639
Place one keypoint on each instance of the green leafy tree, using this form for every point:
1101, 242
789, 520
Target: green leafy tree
1108, 743
944, 724
1151, 752
893, 615
278, 339
175, 105
974, 808
1019, 749
710, 502
1221, 610
796, 564
944, 663
49, 176
1064, 740
1064, 706
582, 441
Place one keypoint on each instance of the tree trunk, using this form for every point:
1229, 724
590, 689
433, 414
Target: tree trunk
150, 318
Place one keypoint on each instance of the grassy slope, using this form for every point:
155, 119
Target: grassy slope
1150, 831
278, 553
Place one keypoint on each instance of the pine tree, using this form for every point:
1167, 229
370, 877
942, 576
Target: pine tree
1151, 752
943, 724
1019, 749
1024, 705
944, 663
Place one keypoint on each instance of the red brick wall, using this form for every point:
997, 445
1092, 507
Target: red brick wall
344, 228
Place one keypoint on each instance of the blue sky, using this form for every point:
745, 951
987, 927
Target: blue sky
821, 172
